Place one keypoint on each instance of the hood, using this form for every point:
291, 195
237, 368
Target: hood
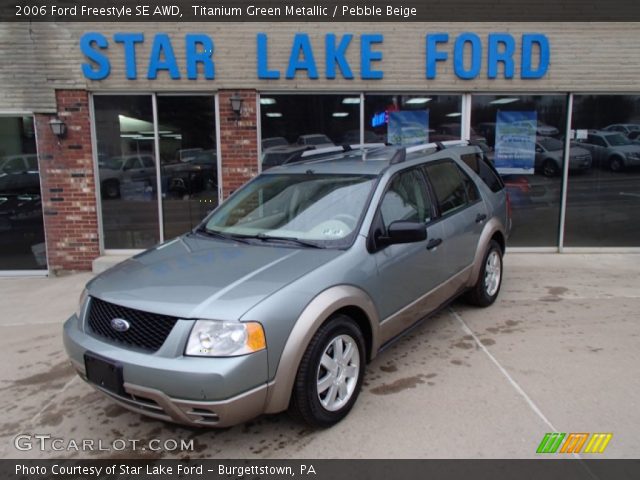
199, 277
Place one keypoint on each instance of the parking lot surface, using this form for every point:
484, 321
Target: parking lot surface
558, 352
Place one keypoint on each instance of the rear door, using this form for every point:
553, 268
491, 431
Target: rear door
461, 212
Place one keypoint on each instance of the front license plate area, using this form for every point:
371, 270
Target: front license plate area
105, 373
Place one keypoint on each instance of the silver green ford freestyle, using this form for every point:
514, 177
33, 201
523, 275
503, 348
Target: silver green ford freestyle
279, 298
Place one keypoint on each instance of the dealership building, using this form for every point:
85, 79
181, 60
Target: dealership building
117, 136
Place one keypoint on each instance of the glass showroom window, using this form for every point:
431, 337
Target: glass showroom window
523, 137
603, 193
412, 119
127, 170
22, 245
292, 123
188, 160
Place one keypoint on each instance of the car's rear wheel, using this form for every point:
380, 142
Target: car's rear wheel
330, 374
487, 288
550, 168
616, 164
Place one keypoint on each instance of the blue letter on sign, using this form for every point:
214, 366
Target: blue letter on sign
263, 64
337, 55
194, 57
162, 44
302, 45
476, 56
528, 40
433, 55
101, 62
505, 56
129, 40
367, 56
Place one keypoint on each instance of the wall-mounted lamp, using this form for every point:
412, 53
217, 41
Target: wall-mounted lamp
58, 127
236, 105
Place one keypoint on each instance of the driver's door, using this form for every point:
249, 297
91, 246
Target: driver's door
406, 272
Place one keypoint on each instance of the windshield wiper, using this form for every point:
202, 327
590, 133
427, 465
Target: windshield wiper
224, 236
297, 241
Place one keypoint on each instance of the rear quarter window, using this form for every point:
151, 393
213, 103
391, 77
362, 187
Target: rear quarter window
483, 168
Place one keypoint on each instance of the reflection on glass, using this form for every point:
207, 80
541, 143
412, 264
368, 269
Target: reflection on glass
523, 137
603, 205
22, 245
127, 171
291, 124
188, 161
412, 119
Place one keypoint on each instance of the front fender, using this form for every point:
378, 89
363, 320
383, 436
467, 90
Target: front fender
308, 323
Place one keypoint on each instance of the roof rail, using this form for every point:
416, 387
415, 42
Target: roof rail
437, 145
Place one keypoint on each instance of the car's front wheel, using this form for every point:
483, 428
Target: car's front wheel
330, 374
486, 289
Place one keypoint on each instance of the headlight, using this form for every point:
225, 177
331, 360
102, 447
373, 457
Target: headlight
210, 338
634, 156
81, 301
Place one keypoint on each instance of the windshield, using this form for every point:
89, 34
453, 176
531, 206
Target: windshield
114, 163
617, 139
324, 209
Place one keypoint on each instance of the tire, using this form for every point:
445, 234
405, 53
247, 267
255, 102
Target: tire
487, 288
315, 405
550, 168
111, 189
616, 164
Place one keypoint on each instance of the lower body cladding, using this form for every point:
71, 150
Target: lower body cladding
195, 391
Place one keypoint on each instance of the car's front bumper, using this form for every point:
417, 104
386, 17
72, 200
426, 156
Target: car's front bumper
199, 391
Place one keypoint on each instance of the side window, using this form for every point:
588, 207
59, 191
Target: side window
448, 185
482, 166
148, 162
406, 199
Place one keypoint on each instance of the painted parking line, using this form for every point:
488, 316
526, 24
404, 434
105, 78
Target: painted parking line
504, 372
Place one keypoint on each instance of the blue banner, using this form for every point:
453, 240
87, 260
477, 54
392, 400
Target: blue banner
515, 147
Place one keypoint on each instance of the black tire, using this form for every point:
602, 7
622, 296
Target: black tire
305, 400
616, 164
480, 295
111, 189
550, 168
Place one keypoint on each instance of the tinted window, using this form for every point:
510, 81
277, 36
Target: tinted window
406, 200
449, 186
596, 141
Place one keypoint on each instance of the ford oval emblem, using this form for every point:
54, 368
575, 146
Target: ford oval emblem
120, 324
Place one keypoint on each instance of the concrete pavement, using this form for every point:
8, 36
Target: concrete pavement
557, 352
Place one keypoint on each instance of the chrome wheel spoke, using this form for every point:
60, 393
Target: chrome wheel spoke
342, 390
329, 363
351, 371
325, 383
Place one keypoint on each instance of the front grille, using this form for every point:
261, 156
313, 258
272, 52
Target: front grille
147, 330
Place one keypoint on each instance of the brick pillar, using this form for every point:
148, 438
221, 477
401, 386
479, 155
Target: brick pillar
68, 188
239, 140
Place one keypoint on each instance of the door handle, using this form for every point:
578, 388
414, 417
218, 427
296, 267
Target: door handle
433, 243
481, 217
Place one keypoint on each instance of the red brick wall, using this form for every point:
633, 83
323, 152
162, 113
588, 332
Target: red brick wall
238, 140
68, 188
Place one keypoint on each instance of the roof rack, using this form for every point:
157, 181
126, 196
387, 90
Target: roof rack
312, 152
437, 145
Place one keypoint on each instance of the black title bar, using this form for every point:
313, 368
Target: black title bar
320, 11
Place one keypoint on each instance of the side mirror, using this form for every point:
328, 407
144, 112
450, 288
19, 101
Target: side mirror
404, 232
